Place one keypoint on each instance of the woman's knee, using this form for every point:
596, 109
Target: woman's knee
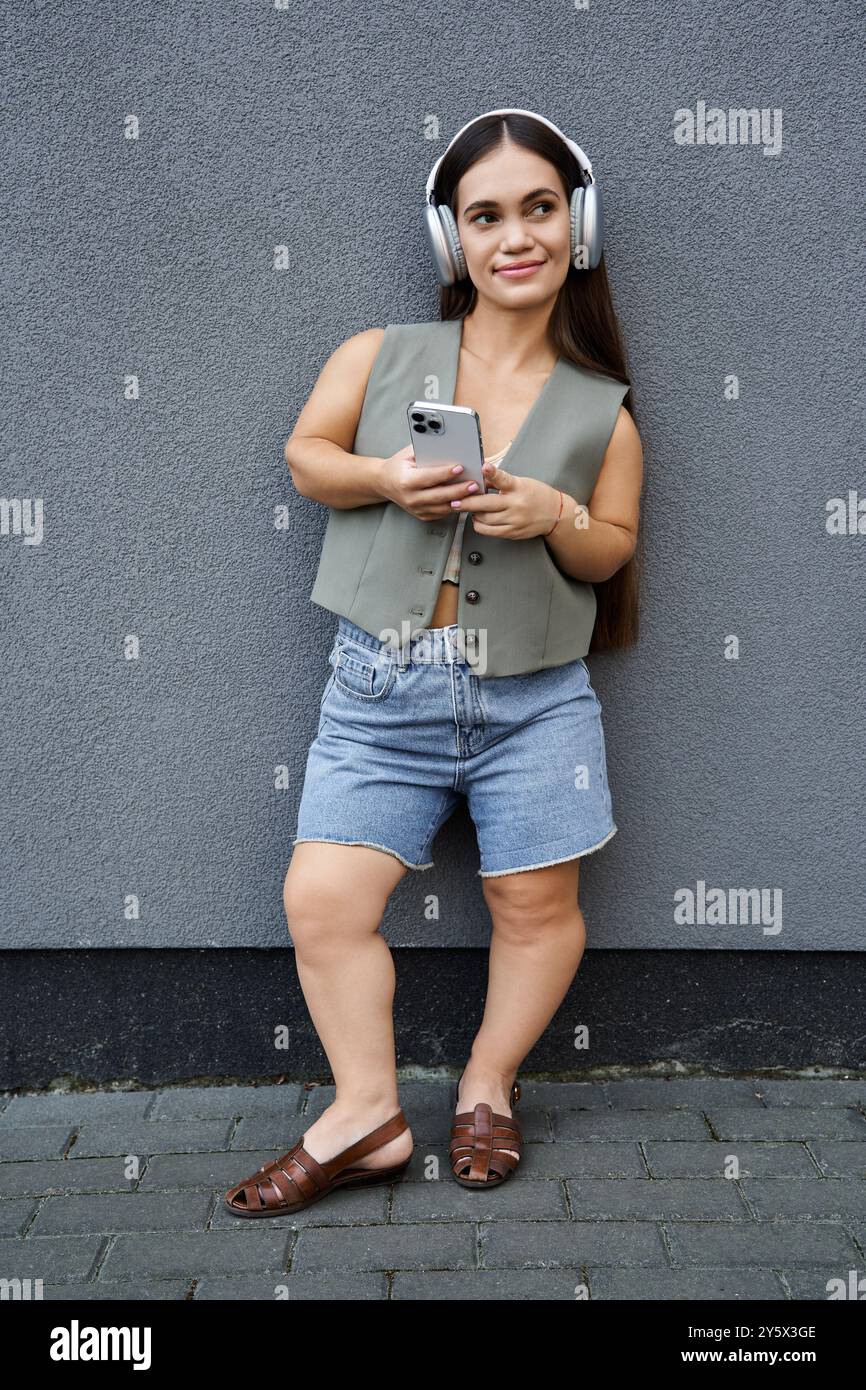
323, 902
316, 908
525, 905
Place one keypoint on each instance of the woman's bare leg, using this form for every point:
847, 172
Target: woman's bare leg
538, 941
334, 896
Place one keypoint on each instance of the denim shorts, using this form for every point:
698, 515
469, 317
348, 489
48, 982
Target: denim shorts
405, 733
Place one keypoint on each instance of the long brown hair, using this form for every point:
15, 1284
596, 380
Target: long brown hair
583, 328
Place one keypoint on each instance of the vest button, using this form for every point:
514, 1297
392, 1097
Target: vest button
475, 557
472, 596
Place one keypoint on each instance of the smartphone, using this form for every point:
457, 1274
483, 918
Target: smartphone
442, 434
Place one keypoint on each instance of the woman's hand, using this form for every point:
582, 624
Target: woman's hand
519, 509
425, 493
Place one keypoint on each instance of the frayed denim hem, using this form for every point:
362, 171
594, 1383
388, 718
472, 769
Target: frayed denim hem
524, 868
368, 844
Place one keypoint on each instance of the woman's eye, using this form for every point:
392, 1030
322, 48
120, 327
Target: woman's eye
478, 216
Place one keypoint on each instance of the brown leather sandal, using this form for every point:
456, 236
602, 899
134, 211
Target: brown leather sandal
296, 1180
480, 1140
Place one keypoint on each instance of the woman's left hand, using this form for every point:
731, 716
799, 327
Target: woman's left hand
519, 509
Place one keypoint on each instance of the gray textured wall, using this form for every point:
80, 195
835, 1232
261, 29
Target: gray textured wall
154, 257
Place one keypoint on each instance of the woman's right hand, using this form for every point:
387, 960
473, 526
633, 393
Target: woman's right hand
425, 493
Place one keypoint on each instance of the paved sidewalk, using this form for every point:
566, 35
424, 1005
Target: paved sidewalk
623, 1193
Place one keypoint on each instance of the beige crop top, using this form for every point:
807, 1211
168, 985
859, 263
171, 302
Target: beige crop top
451, 574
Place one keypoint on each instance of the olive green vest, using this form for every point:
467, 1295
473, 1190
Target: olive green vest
517, 611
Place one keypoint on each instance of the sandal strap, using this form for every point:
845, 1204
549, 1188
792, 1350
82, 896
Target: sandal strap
490, 1140
296, 1177
467, 1117
286, 1189
482, 1149
362, 1147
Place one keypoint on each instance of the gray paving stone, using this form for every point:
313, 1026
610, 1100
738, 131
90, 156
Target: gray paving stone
339, 1286
575, 1244
75, 1107
415, 1092
839, 1158
649, 1199
686, 1285
355, 1207
680, 1092
421, 1246
761, 1245
806, 1198
563, 1095
201, 1171
765, 1158
615, 1159
827, 1285
129, 1211
479, 1285
15, 1214
152, 1255
67, 1175
315, 1100
446, 1200
53, 1259
32, 1142
821, 1091
788, 1122
144, 1137
599, 1126
276, 1133
153, 1291
224, 1102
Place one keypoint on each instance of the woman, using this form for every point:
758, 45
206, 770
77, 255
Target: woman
503, 714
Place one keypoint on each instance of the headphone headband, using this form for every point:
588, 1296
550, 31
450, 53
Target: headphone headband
578, 153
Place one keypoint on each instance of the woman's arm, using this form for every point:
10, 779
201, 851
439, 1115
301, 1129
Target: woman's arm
318, 450
593, 542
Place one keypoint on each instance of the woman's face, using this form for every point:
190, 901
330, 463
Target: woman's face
511, 208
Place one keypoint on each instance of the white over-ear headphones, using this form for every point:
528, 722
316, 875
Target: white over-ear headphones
587, 230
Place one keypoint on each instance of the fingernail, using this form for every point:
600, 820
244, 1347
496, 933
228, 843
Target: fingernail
458, 468
473, 487
455, 503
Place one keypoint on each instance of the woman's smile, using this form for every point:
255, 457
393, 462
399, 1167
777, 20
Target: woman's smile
518, 270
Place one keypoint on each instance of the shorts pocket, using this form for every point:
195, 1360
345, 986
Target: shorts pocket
363, 673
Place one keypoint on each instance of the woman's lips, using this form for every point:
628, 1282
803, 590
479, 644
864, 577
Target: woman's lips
519, 269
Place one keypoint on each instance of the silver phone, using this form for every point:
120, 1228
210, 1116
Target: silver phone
442, 434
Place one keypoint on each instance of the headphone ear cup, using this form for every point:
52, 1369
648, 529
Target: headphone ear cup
452, 237
444, 243
438, 244
587, 225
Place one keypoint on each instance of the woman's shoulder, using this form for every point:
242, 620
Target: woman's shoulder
364, 345
362, 349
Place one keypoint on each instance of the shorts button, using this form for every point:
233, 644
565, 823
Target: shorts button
472, 596
474, 557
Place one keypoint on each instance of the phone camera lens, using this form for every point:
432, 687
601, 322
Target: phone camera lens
417, 416
435, 425
420, 429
